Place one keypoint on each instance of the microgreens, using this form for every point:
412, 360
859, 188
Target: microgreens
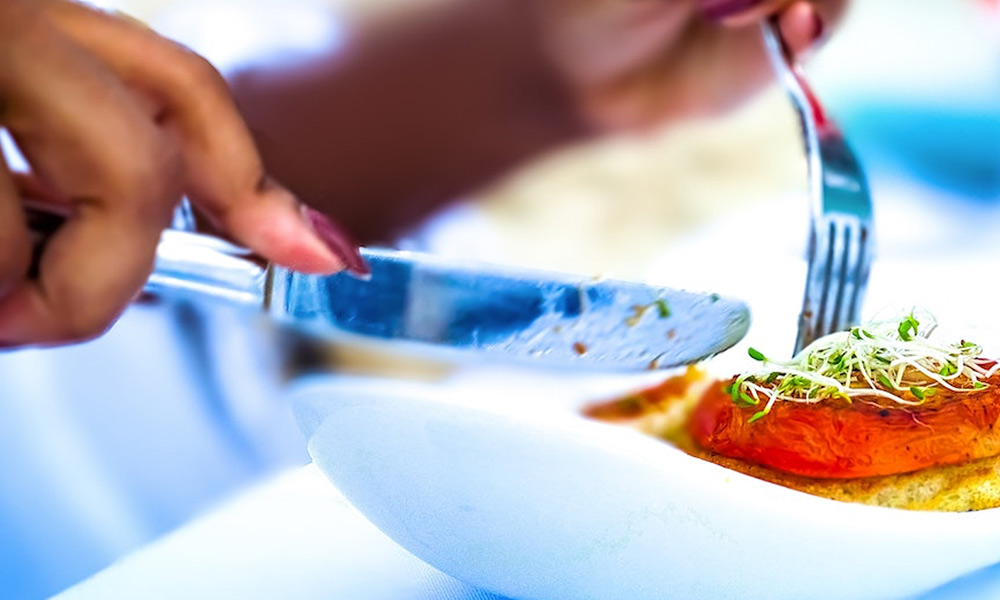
662, 308
892, 359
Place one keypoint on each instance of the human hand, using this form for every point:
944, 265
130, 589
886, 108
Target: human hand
639, 63
405, 116
116, 124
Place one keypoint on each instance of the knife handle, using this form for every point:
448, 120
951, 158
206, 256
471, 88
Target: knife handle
188, 265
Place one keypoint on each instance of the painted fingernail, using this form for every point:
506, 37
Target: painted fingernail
717, 10
819, 27
337, 241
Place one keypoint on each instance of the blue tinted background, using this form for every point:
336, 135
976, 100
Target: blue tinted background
108, 445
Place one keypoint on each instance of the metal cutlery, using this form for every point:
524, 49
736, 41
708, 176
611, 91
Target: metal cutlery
840, 247
426, 303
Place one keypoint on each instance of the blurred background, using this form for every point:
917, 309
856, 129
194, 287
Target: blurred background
110, 444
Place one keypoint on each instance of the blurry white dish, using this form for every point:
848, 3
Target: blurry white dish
496, 480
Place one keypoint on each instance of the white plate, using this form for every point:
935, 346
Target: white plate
496, 480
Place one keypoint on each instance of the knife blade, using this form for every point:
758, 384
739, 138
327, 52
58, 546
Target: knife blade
420, 301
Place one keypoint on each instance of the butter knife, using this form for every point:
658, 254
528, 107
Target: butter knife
421, 302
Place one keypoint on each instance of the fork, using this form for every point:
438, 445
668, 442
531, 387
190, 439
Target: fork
840, 248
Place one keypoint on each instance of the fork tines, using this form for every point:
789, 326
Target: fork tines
838, 264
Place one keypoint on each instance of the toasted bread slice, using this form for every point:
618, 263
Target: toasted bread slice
969, 486
957, 488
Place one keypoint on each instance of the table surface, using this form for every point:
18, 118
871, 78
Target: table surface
295, 537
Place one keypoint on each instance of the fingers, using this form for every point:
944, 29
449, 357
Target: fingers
802, 26
802, 23
15, 243
223, 173
107, 159
738, 13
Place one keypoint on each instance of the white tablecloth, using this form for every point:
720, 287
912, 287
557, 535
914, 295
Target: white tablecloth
296, 538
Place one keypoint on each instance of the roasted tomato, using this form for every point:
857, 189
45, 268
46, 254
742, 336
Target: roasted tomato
866, 437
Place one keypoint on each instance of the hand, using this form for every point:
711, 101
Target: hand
639, 63
116, 123
405, 117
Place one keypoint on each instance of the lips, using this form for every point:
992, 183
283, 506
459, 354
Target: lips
720, 9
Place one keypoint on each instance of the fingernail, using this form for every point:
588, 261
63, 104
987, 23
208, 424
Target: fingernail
337, 241
716, 10
819, 27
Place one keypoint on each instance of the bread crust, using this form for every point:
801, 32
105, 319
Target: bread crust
964, 487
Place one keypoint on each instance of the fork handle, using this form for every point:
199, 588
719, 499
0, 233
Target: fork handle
788, 71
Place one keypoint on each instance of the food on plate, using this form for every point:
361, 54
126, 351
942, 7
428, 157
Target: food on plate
881, 414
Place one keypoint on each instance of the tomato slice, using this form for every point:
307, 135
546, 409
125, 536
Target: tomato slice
864, 438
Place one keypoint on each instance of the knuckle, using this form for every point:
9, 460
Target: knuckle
161, 173
151, 183
158, 159
197, 72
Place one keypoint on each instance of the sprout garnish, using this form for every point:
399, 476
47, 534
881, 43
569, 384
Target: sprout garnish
891, 359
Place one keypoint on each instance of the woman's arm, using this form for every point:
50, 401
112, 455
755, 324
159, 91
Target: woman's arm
421, 109
412, 113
